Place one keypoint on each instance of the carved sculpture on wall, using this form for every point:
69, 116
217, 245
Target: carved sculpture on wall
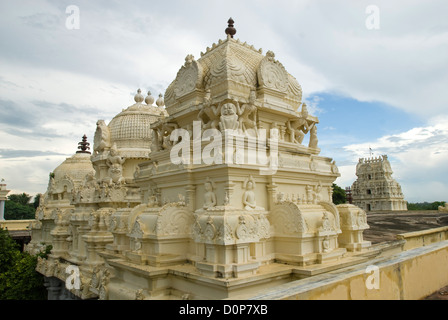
245, 112
318, 195
209, 195
229, 117
188, 78
326, 224
163, 132
313, 137
287, 219
115, 164
326, 244
101, 138
299, 127
309, 194
89, 181
272, 74
249, 202
211, 112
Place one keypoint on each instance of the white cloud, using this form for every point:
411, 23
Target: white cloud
347, 176
23, 175
402, 64
121, 46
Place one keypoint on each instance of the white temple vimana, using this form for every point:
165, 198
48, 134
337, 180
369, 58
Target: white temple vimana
216, 189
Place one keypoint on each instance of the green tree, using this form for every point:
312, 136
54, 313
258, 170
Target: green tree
17, 211
9, 251
19, 207
339, 195
425, 205
23, 199
36, 200
18, 277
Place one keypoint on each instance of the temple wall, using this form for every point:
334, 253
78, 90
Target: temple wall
408, 275
15, 224
423, 238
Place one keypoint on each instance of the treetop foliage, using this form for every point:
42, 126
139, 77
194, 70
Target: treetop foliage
19, 279
425, 205
339, 195
20, 207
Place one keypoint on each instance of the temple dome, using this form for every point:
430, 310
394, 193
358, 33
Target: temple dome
72, 171
76, 167
130, 129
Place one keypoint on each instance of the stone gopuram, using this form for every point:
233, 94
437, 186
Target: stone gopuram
213, 193
375, 189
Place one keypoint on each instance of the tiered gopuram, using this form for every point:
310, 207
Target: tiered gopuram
375, 189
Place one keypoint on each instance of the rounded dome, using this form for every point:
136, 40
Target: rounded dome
131, 128
75, 167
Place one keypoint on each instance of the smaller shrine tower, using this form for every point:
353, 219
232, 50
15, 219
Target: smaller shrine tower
375, 189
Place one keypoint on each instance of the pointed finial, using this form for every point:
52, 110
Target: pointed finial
230, 30
83, 146
139, 97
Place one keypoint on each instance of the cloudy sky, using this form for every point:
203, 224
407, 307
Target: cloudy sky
375, 76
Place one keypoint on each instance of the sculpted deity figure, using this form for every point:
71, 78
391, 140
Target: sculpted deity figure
209, 195
313, 137
115, 163
161, 134
309, 194
89, 180
326, 225
212, 113
229, 117
300, 126
101, 139
318, 191
326, 244
249, 195
245, 111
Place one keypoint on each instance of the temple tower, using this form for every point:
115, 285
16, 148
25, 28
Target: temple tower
212, 195
375, 189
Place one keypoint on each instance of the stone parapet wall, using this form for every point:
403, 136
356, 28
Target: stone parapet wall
13, 225
423, 238
408, 275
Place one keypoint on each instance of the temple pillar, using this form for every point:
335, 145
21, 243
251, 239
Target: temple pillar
3, 194
2, 210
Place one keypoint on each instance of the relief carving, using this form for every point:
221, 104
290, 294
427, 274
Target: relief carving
101, 138
115, 163
249, 202
188, 77
247, 113
272, 74
229, 117
209, 195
